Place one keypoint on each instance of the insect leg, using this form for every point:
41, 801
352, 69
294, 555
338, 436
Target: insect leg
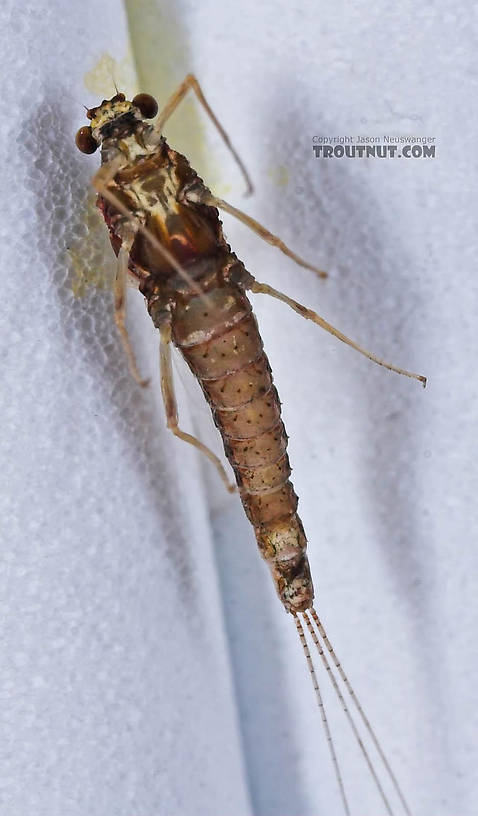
101, 180
309, 314
203, 196
190, 82
120, 310
171, 407
106, 173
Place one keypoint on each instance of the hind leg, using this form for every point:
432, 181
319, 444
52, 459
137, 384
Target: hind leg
120, 310
309, 314
171, 406
201, 195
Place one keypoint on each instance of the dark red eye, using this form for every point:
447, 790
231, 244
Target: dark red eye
85, 141
120, 97
147, 105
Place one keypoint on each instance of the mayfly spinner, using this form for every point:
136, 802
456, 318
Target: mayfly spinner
165, 230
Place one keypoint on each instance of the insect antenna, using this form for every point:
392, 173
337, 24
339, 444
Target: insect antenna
322, 633
323, 715
112, 76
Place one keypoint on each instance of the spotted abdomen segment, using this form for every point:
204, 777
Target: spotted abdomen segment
223, 347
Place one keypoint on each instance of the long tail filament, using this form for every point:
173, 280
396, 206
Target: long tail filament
320, 703
311, 618
360, 710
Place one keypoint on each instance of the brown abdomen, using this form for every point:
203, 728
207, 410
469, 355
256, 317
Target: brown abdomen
223, 347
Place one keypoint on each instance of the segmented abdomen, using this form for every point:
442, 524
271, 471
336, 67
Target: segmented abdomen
223, 347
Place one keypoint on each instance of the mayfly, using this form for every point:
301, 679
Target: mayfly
165, 230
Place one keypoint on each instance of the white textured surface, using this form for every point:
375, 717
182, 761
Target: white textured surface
111, 705
115, 687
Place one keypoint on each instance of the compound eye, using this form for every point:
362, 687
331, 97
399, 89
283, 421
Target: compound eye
146, 104
85, 141
120, 97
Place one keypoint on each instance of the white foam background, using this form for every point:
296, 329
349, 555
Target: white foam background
123, 565
115, 682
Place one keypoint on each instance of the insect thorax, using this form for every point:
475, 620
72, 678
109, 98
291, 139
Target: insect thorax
152, 185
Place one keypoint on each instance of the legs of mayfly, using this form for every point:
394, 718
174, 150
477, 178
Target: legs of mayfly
120, 309
102, 181
190, 82
171, 406
198, 194
303, 311
105, 176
